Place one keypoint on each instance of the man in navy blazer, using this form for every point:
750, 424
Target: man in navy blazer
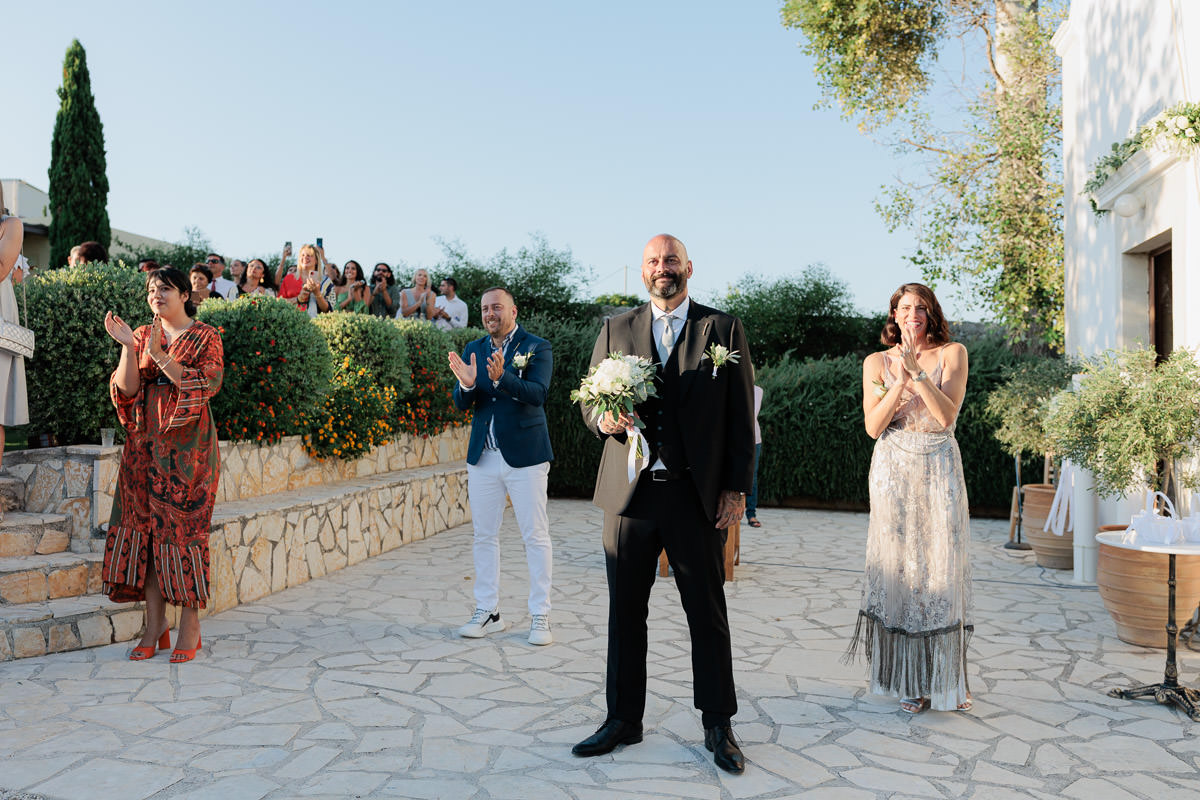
504, 378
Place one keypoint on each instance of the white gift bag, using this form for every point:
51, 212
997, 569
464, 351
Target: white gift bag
1150, 527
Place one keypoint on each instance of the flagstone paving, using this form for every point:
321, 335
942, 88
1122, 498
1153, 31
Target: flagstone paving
355, 685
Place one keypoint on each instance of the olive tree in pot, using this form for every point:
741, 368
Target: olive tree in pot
1129, 421
1019, 406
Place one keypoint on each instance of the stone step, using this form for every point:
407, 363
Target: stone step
36, 579
12, 492
26, 534
69, 623
258, 546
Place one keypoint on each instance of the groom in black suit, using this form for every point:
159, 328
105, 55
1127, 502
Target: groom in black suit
701, 462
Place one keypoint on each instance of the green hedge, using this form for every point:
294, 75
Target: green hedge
814, 443
461, 337
428, 407
277, 368
576, 450
808, 315
371, 343
67, 378
815, 447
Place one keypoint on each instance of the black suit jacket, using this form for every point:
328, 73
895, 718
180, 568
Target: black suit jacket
716, 415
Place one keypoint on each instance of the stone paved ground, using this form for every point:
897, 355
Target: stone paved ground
354, 685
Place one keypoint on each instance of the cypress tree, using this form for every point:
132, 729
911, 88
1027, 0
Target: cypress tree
78, 184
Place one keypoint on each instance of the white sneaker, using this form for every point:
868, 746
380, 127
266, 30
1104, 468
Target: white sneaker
539, 630
482, 623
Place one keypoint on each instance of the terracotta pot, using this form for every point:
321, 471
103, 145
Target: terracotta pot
1052, 552
1133, 586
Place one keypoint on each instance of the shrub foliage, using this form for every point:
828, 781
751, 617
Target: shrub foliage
576, 450
809, 316
355, 417
277, 368
544, 281
815, 445
427, 408
67, 378
371, 343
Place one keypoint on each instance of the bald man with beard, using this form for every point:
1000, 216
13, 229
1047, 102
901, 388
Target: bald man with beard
700, 429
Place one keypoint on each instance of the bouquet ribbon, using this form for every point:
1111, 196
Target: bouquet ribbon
638, 448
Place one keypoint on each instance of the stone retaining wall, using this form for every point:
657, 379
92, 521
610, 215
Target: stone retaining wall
248, 470
78, 481
263, 545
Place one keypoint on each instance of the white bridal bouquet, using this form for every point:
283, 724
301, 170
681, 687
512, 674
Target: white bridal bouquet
616, 384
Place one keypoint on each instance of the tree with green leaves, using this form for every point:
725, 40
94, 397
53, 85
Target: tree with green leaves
988, 210
78, 183
543, 280
810, 315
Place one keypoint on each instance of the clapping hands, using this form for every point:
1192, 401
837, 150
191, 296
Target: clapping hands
118, 329
912, 367
465, 372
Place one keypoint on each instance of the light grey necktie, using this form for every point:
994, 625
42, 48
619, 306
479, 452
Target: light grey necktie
668, 338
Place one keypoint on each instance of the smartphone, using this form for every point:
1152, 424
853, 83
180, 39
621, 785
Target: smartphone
320, 243
287, 245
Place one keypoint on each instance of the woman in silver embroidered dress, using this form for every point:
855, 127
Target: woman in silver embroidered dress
915, 619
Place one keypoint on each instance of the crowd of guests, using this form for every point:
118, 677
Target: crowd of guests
318, 286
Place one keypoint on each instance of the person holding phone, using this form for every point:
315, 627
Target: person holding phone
317, 292
285, 275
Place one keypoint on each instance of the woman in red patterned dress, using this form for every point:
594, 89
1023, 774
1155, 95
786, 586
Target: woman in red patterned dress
157, 548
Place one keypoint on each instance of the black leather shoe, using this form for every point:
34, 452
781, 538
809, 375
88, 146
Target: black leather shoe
726, 753
612, 733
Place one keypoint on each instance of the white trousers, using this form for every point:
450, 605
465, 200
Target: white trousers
487, 484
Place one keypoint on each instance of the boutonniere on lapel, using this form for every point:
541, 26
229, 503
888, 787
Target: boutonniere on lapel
720, 355
521, 361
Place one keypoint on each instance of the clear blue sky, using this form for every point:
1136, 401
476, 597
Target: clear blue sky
385, 126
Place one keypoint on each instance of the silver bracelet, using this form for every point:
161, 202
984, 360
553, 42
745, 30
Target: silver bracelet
920, 376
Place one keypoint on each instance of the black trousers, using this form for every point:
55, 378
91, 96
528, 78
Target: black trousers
667, 515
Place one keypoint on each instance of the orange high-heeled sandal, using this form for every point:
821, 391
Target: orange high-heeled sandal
142, 653
181, 656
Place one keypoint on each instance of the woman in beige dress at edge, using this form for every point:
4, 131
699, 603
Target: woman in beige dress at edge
14, 404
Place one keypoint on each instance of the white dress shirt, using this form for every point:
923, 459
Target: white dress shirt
656, 329
456, 308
